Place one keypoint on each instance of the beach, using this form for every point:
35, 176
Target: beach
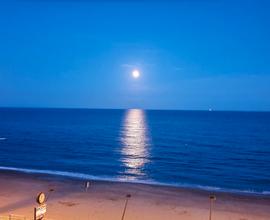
70, 200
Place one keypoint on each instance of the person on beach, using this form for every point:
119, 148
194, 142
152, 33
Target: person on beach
87, 185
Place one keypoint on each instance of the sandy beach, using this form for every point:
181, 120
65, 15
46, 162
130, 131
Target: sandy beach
106, 200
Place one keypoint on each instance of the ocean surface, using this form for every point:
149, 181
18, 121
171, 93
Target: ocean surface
226, 151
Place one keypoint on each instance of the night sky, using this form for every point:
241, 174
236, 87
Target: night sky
190, 54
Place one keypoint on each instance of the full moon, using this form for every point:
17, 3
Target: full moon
135, 73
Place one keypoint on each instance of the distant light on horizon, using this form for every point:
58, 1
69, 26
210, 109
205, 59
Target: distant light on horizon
136, 74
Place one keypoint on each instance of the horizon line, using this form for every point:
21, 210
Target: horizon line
145, 109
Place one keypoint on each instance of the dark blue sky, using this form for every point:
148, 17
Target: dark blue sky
191, 54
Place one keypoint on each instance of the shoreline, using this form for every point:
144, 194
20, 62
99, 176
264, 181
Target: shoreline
106, 199
85, 177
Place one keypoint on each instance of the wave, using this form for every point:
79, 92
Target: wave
2, 138
116, 179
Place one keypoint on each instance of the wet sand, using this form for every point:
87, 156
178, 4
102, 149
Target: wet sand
106, 200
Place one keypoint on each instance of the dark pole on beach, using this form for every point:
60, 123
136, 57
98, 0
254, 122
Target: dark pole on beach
50, 191
212, 199
124, 212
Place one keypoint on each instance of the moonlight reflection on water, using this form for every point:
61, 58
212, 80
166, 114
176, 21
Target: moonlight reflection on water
135, 143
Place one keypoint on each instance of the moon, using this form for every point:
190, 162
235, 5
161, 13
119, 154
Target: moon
136, 74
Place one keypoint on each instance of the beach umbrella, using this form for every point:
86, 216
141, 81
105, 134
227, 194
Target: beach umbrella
50, 191
128, 196
212, 199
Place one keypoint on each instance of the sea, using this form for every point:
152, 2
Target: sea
210, 150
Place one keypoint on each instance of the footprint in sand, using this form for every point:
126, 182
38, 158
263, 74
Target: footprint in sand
69, 204
113, 199
182, 212
179, 212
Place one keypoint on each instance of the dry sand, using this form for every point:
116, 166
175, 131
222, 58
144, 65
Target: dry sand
106, 200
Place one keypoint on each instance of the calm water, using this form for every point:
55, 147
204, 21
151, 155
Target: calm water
216, 150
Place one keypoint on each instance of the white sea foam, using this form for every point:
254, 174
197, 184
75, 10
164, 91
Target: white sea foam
121, 179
